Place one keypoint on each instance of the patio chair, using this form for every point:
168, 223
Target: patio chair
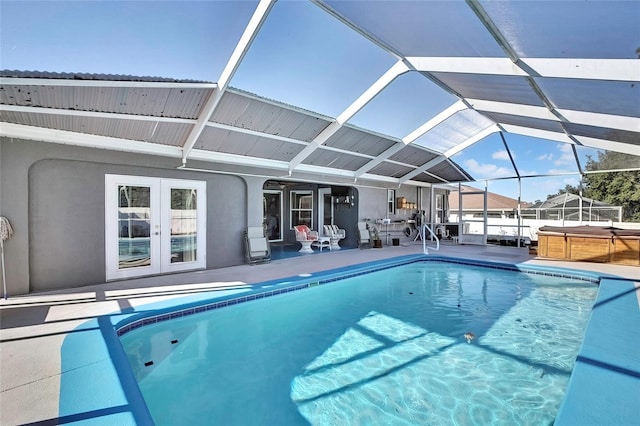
364, 237
305, 237
335, 234
257, 247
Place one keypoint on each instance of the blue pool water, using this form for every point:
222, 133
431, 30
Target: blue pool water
381, 348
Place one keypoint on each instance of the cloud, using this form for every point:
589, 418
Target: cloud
501, 155
540, 189
487, 170
565, 147
566, 156
548, 156
524, 172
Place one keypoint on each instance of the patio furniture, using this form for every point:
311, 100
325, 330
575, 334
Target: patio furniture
305, 237
323, 242
335, 234
364, 237
257, 247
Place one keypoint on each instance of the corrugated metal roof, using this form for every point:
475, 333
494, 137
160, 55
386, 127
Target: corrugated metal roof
413, 155
511, 62
91, 76
454, 131
356, 140
249, 112
390, 169
117, 128
161, 102
449, 172
337, 160
230, 142
250, 126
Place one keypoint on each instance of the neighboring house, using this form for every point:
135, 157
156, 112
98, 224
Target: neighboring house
567, 207
498, 206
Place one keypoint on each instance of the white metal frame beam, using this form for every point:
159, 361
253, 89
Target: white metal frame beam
396, 70
468, 142
41, 134
572, 68
281, 138
473, 139
609, 121
249, 34
411, 137
66, 137
435, 121
584, 140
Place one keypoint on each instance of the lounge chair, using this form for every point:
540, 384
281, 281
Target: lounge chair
305, 237
364, 237
335, 234
257, 247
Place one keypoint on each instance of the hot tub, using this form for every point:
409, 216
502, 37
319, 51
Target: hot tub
590, 244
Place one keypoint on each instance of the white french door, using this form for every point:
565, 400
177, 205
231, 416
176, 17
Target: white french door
153, 225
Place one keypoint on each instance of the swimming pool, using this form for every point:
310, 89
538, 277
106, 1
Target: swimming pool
381, 347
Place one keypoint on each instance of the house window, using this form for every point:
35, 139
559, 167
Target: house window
301, 208
391, 201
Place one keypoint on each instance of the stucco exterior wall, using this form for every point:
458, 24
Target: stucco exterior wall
54, 197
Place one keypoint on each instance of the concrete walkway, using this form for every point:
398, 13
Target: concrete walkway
33, 327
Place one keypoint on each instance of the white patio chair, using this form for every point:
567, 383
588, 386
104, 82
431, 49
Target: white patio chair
305, 237
257, 247
335, 234
364, 236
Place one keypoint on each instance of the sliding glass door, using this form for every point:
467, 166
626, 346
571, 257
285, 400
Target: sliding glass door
272, 214
153, 225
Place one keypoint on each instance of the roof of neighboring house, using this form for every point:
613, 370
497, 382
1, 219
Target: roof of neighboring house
476, 201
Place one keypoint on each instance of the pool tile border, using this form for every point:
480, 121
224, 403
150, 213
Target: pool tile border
341, 275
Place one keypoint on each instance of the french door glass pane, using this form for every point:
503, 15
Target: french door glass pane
183, 225
134, 226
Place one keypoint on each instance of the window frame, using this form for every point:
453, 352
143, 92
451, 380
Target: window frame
294, 211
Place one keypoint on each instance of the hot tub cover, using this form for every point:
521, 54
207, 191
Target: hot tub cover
604, 231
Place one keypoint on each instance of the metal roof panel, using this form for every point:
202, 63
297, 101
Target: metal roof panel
116, 128
413, 155
500, 88
356, 140
336, 160
162, 102
226, 141
454, 130
390, 169
263, 116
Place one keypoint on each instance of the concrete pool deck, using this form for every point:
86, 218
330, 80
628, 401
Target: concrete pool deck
42, 335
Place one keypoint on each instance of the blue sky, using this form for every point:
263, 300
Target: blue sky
302, 56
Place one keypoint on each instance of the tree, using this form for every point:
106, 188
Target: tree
568, 188
617, 188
